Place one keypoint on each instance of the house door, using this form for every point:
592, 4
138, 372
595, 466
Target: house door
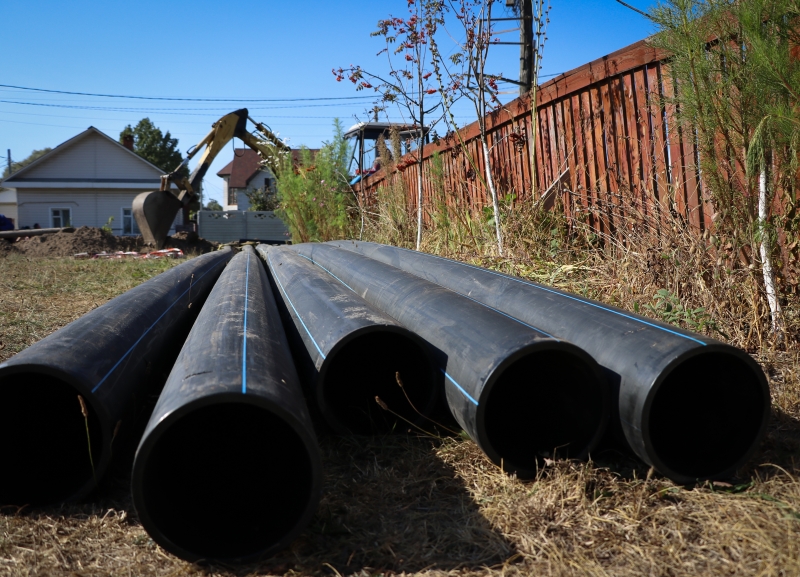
60, 217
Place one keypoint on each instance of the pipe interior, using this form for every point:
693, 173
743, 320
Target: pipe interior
546, 404
365, 368
46, 450
227, 481
706, 415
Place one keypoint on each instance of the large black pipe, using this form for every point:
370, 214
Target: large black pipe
112, 357
228, 468
353, 350
689, 405
520, 394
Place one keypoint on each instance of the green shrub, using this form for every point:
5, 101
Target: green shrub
314, 194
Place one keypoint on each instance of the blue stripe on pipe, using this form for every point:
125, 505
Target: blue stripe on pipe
275, 276
491, 308
460, 388
574, 298
312, 261
244, 336
452, 380
97, 386
538, 330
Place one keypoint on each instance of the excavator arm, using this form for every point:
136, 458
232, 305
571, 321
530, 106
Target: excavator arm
154, 211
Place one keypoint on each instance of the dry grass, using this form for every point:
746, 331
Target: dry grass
38, 296
435, 507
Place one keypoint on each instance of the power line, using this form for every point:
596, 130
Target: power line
183, 99
645, 14
146, 110
154, 114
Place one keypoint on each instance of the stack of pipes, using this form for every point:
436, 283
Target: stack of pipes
228, 467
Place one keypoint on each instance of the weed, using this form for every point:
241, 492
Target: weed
668, 308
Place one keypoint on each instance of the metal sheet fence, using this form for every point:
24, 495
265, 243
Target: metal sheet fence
235, 225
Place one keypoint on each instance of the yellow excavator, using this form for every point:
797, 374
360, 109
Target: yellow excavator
155, 211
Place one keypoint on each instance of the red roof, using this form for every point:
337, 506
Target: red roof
245, 165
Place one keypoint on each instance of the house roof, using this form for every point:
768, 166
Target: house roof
90, 159
245, 165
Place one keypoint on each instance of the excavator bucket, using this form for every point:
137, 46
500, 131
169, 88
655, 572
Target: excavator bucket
154, 213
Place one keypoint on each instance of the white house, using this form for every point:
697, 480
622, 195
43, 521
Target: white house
8, 204
242, 175
83, 182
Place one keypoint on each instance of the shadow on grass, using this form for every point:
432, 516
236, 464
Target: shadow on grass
781, 445
779, 451
390, 503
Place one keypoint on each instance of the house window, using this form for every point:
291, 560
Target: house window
232, 195
60, 217
129, 225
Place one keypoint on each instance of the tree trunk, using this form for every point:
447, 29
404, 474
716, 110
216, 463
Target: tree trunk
493, 191
765, 247
419, 199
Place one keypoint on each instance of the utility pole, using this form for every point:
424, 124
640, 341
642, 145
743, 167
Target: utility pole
9, 162
525, 46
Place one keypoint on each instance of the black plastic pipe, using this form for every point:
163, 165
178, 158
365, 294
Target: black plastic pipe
228, 468
691, 406
112, 358
519, 393
353, 350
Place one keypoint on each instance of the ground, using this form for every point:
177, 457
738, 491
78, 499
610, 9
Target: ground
95, 240
417, 505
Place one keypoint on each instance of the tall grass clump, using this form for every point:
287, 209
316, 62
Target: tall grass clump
450, 226
314, 194
733, 85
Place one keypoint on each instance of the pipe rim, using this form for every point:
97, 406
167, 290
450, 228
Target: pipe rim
651, 455
319, 387
95, 406
166, 422
546, 345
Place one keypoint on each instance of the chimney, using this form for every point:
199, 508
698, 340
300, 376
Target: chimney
127, 141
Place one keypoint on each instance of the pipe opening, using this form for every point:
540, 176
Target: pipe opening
546, 404
227, 481
46, 450
365, 368
706, 415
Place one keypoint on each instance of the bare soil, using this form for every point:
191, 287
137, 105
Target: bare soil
95, 240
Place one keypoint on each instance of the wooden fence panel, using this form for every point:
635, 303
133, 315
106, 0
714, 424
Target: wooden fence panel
604, 126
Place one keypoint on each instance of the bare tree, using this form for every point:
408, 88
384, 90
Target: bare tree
406, 84
463, 74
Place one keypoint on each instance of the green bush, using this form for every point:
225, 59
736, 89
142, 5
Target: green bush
314, 194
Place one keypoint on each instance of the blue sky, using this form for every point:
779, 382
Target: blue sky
231, 50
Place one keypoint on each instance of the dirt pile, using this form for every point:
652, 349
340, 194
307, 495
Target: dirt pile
95, 240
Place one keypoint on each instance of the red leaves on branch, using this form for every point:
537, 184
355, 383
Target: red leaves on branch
426, 76
431, 91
